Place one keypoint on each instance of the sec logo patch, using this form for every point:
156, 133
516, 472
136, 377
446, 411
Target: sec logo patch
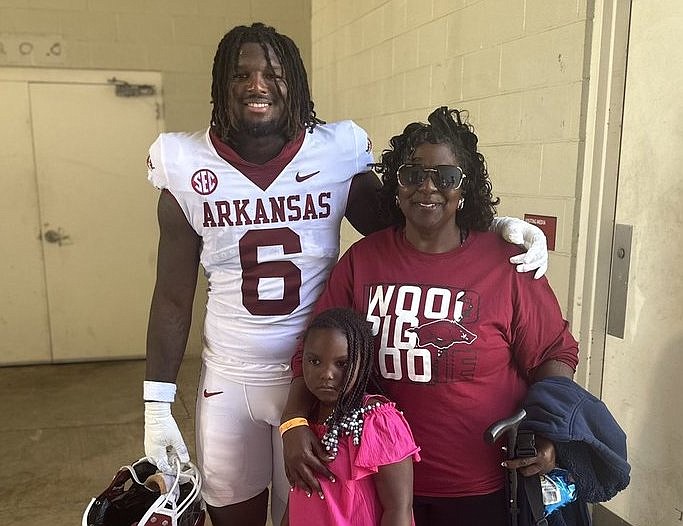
204, 181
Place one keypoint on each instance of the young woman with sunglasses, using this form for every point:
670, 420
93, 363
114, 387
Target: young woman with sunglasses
460, 335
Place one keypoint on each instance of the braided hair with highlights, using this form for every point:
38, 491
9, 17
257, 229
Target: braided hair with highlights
361, 352
298, 103
446, 126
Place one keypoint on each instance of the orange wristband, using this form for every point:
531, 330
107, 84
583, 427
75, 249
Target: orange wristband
292, 422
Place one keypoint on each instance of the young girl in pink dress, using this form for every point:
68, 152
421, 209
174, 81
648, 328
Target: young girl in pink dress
370, 441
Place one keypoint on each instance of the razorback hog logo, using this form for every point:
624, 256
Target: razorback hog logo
442, 335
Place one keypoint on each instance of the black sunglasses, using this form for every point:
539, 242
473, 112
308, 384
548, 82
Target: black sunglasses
444, 176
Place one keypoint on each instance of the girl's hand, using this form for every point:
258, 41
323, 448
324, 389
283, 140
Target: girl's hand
542, 463
304, 457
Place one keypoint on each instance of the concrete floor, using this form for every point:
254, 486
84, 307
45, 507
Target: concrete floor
66, 429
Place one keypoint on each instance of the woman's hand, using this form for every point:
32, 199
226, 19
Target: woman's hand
304, 457
542, 463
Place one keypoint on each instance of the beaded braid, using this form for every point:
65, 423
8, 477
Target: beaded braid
298, 103
446, 126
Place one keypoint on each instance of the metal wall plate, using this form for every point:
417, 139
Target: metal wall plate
618, 283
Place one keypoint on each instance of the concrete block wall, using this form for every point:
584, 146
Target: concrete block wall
176, 37
517, 66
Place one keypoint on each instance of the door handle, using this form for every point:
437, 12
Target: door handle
618, 283
56, 236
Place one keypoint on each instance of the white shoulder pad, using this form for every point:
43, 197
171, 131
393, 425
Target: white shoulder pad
156, 173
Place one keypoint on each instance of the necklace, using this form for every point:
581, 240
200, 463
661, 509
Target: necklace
349, 425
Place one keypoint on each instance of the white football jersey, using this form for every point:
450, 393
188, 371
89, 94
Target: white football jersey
266, 252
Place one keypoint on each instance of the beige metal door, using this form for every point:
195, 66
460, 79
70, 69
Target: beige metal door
643, 371
96, 229
24, 335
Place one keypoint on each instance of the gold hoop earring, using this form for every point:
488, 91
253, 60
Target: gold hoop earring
398, 203
461, 203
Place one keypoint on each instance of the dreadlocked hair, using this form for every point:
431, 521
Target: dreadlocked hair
298, 103
446, 126
359, 341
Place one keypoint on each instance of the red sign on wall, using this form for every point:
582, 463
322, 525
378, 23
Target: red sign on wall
546, 223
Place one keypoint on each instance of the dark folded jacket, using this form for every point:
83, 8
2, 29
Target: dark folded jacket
589, 443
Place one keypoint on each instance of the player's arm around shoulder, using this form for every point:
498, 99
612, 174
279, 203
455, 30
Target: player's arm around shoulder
362, 208
171, 309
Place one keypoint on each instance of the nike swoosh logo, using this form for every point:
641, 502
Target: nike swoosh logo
207, 394
302, 178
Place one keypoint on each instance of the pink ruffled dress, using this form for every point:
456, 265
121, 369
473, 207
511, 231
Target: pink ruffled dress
352, 499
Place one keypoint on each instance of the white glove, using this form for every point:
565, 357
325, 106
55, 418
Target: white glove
163, 441
520, 232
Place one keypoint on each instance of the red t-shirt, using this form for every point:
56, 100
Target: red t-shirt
456, 337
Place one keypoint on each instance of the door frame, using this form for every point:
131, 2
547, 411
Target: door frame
607, 51
82, 76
